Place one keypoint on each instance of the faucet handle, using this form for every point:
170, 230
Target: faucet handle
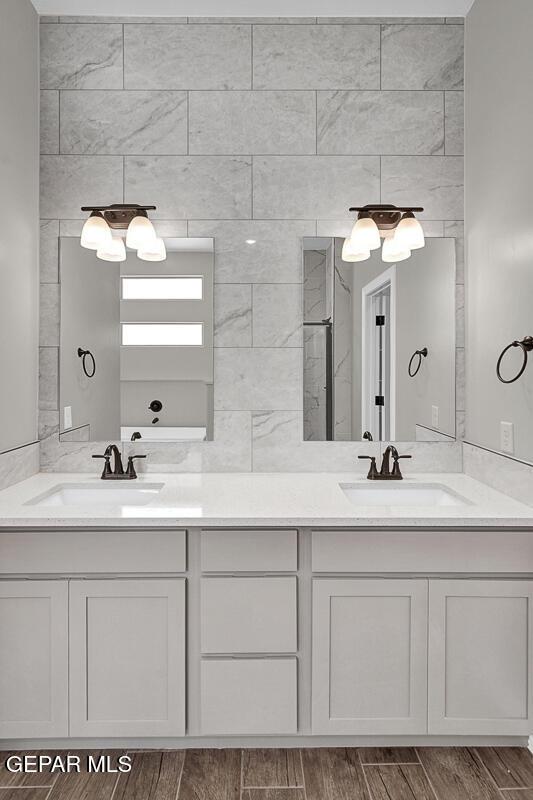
107, 467
396, 472
373, 473
130, 471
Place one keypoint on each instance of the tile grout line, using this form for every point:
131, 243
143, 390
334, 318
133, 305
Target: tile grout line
242, 776
303, 774
489, 775
427, 777
181, 774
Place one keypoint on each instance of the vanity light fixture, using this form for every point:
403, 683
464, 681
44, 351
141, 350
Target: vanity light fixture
398, 226
129, 217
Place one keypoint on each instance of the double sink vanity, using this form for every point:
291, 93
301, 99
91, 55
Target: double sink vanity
216, 609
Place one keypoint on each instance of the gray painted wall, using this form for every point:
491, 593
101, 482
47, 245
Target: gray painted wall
19, 171
499, 132
237, 142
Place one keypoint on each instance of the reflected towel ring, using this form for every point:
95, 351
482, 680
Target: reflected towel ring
527, 345
421, 354
84, 354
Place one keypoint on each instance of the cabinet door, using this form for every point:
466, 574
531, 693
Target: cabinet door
369, 656
480, 657
33, 659
127, 657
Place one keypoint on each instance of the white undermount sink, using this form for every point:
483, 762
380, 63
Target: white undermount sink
401, 494
105, 494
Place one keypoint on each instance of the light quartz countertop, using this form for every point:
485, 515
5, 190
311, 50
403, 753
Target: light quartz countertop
260, 500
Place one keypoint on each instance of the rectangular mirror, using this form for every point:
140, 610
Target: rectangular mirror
136, 345
379, 344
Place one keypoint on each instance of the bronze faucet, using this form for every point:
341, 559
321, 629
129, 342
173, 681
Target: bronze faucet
117, 473
385, 473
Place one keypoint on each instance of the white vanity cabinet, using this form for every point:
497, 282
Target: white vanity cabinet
369, 656
33, 658
127, 657
481, 657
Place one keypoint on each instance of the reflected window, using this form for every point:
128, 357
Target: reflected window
147, 334
163, 288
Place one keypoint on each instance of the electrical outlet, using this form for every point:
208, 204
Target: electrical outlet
435, 417
67, 417
507, 437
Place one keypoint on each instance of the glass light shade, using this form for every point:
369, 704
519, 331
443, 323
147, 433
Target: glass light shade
365, 235
114, 251
351, 255
394, 251
154, 251
409, 233
141, 233
96, 232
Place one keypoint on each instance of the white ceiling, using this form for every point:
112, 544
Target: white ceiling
257, 8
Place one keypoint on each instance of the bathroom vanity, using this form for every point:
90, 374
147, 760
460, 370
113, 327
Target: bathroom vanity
235, 608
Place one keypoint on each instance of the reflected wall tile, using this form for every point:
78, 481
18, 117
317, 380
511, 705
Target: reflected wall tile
368, 123
252, 122
69, 182
191, 187
456, 230
380, 20
502, 473
48, 378
18, 465
313, 187
455, 123
81, 56
233, 315
252, 20
277, 315
123, 122
460, 425
46, 18
49, 251
274, 257
230, 451
69, 19
422, 57
48, 423
430, 457
49, 121
434, 182
187, 57
258, 378
316, 57
278, 446
49, 315
460, 315
460, 379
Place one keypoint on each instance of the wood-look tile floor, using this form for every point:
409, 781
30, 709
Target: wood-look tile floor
311, 774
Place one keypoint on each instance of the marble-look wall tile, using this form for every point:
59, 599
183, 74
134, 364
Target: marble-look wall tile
422, 57
69, 20
277, 315
437, 183
187, 57
233, 315
49, 121
382, 123
59, 456
230, 451
312, 187
49, 251
455, 20
46, 18
123, 123
69, 182
274, 257
460, 380
252, 20
251, 378
460, 315
49, 315
455, 123
430, 457
278, 446
192, 187
380, 20
48, 423
48, 378
18, 465
316, 57
164, 227
456, 230
505, 474
252, 122
460, 425
81, 56
343, 227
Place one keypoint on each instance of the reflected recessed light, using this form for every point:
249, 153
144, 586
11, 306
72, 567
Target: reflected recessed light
251, 241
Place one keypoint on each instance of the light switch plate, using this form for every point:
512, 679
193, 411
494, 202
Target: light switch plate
67, 417
434, 417
507, 437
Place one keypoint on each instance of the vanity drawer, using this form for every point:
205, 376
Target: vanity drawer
73, 552
250, 551
249, 696
425, 551
248, 615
